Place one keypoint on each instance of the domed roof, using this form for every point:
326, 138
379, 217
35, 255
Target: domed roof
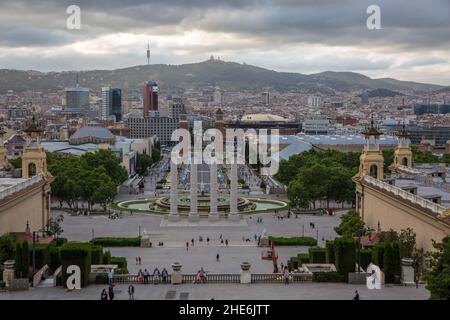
260, 117
94, 130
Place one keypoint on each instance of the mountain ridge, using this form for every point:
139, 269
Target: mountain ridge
227, 75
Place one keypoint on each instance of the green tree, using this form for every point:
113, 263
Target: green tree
388, 155
18, 259
143, 161
438, 277
351, 224
7, 247
407, 242
25, 259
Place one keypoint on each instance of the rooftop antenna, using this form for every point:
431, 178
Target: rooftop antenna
77, 84
148, 53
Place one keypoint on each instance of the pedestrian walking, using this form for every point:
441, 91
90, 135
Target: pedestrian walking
192, 241
217, 257
139, 259
286, 275
111, 292
104, 295
356, 297
226, 242
187, 245
110, 276
131, 292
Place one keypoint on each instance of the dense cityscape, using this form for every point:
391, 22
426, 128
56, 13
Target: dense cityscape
93, 204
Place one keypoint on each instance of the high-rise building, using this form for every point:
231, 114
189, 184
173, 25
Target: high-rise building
365, 98
116, 103
314, 101
111, 103
266, 98
77, 99
150, 97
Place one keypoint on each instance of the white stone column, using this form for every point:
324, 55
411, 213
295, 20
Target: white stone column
213, 213
234, 214
173, 216
193, 214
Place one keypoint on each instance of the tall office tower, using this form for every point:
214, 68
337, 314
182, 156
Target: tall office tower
365, 98
116, 103
106, 103
266, 98
111, 103
314, 101
150, 97
77, 100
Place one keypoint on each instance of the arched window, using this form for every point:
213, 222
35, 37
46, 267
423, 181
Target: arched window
374, 171
31, 169
405, 161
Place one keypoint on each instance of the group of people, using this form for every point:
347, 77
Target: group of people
158, 276
259, 219
110, 294
138, 260
200, 276
208, 241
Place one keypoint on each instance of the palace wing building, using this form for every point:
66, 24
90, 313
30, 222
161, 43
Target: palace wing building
411, 197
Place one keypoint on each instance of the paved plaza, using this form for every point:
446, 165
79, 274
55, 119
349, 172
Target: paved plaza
298, 291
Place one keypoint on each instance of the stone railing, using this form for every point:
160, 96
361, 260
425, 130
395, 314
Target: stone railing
409, 170
418, 200
218, 278
20, 186
38, 276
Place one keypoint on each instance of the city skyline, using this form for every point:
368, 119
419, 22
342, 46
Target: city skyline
305, 37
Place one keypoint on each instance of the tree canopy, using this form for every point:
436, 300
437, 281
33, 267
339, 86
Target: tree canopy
350, 226
314, 175
438, 278
92, 178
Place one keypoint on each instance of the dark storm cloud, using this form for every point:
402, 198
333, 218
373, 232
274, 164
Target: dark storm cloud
406, 23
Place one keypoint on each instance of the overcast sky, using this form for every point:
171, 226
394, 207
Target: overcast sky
305, 36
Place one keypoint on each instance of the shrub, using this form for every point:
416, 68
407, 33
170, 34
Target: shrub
392, 265
54, 258
117, 241
365, 257
101, 278
7, 248
330, 251
302, 258
378, 255
76, 253
294, 263
120, 261
328, 277
106, 257
318, 255
41, 255
96, 254
345, 255
25, 260
18, 259
293, 241
58, 242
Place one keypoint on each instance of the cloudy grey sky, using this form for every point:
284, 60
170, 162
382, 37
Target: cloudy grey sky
305, 36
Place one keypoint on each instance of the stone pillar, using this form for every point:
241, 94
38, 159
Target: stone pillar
8, 273
173, 216
213, 213
234, 214
176, 277
246, 275
193, 214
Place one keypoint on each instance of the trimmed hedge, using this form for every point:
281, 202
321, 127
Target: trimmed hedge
117, 241
294, 263
330, 251
293, 241
345, 255
365, 257
302, 258
318, 255
378, 255
41, 255
96, 254
76, 253
392, 264
120, 261
106, 257
328, 277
